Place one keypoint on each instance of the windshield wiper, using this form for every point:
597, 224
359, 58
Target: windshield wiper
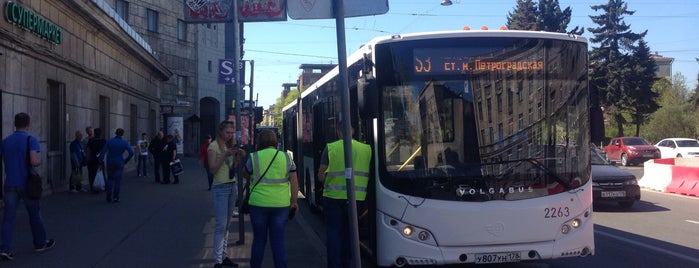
547, 171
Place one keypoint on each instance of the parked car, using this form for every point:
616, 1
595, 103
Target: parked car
613, 184
678, 147
631, 150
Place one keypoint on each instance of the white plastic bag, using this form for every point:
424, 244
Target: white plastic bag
176, 167
98, 185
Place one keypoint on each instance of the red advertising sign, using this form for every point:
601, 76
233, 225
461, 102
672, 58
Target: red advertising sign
208, 11
220, 11
261, 10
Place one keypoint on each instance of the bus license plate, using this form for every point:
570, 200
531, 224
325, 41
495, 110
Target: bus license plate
613, 194
498, 257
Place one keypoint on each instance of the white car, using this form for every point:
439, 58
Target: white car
678, 147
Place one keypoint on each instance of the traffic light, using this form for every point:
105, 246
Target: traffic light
258, 114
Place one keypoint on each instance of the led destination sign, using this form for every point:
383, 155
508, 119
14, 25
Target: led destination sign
447, 61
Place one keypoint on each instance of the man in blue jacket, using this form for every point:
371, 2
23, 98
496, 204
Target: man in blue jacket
114, 150
17, 166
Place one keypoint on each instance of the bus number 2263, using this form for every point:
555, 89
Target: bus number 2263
558, 212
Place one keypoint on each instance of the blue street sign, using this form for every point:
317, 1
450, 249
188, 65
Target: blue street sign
225, 72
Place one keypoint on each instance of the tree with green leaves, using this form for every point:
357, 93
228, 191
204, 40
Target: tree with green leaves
282, 101
643, 99
676, 117
611, 62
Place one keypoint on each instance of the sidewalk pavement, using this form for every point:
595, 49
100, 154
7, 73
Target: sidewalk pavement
154, 225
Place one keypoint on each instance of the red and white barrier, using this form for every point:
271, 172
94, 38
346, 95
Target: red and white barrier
657, 174
673, 175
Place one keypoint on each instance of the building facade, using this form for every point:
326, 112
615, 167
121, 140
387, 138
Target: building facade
664, 66
161, 24
70, 64
211, 45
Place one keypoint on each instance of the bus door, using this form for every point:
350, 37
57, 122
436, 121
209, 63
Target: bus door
319, 134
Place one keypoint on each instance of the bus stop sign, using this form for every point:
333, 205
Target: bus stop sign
323, 9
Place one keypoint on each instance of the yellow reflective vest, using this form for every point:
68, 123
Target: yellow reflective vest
335, 186
273, 189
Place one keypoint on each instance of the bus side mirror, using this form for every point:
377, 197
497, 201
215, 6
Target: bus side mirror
368, 97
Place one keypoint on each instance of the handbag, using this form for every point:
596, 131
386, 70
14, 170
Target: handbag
176, 167
98, 184
245, 208
34, 188
75, 176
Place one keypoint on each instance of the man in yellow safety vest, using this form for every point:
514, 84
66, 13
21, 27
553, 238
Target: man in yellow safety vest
335, 206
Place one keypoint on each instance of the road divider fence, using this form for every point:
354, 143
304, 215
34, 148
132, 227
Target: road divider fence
672, 175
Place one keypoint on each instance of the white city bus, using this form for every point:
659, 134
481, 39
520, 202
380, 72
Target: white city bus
480, 145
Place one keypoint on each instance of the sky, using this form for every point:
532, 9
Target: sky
279, 48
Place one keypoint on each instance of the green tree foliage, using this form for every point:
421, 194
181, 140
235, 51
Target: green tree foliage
524, 17
281, 102
643, 100
695, 98
547, 17
552, 19
677, 117
611, 62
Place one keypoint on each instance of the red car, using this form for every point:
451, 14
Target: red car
631, 150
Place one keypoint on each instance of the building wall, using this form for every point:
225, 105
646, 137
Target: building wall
178, 55
664, 66
94, 77
211, 46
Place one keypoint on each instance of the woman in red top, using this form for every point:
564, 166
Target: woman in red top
204, 159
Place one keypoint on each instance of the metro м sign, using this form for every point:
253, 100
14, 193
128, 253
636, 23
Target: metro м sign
27, 19
225, 72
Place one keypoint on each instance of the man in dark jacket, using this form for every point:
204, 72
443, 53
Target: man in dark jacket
155, 148
168, 154
94, 145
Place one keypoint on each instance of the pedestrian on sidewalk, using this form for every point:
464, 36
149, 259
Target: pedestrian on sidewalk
167, 155
223, 158
142, 145
204, 159
95, 145
155, 148
18, 161
273, 196
114, 150
77, 160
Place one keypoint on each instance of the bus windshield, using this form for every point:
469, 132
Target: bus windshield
478, 119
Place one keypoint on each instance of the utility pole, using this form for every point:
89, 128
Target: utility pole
251, 109
339, 8
233, 97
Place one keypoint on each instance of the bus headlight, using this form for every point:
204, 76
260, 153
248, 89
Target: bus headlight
423, 235
565, 229
407, 230
576, 223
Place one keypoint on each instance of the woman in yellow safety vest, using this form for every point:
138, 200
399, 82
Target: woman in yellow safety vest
273, 195
223, 157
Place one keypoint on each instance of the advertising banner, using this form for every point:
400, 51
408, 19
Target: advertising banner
261, 10
175, 127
